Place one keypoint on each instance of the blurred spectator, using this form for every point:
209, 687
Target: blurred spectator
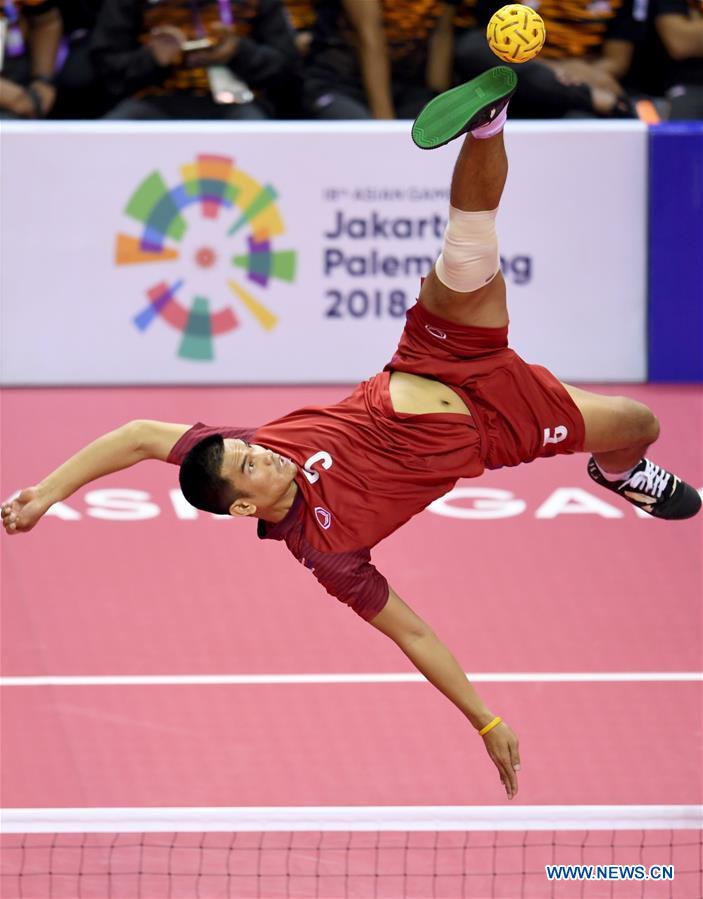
378, 58
465, 16
302, 15
588, 51
671, 63
32, 36
152, 53
80, 93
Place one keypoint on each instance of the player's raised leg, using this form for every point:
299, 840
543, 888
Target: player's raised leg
466, 285
619, 432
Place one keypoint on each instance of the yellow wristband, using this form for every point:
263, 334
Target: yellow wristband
491, 724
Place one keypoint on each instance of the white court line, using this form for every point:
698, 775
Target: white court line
352, 818
146, 680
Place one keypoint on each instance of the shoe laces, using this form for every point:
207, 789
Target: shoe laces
651, 480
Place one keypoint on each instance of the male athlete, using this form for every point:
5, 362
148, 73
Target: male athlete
333, 481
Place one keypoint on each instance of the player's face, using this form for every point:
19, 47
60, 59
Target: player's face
262, 476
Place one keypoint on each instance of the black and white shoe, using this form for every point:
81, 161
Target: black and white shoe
653, 489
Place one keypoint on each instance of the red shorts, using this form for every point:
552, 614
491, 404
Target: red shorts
522, 412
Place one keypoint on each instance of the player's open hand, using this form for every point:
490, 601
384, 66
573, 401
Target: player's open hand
502, 746
24, 511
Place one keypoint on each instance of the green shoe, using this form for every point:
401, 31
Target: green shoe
464, 108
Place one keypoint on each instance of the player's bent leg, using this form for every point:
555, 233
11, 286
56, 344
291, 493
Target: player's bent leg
466, 285
618, 432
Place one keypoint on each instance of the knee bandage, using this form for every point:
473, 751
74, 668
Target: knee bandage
469, 257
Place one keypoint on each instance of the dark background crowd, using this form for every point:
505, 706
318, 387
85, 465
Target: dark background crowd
338, 59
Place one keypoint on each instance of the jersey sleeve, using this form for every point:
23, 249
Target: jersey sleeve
199, 432
352, 579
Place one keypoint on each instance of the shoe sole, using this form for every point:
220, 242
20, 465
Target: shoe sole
464, 108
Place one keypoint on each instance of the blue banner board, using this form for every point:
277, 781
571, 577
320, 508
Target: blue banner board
676, 252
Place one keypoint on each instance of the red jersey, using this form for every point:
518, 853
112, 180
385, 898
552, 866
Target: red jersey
363, 471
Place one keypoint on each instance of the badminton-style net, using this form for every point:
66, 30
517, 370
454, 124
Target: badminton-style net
489, 852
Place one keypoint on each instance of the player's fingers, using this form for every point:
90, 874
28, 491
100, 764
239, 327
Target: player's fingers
504, 775
510, 776
515, 755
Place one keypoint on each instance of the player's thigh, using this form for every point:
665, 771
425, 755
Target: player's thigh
613, 422
482, 308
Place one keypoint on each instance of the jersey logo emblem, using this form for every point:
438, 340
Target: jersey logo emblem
324, 518
435, 332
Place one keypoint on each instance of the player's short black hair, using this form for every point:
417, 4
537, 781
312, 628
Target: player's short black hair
200, 478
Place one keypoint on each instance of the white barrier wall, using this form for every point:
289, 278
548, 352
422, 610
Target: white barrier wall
212, 254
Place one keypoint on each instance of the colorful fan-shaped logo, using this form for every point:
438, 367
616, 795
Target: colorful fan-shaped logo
172, 234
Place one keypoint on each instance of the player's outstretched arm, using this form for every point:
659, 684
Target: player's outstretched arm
432, 658
121, 448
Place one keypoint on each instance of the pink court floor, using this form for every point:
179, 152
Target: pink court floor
580, 618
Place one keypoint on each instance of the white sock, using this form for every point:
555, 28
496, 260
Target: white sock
619, 475
490, 129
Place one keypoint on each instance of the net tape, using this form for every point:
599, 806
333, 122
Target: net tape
415, 852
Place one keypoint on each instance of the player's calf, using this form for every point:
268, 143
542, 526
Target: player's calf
619, 430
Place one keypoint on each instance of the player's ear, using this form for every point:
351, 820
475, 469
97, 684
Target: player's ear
242, 508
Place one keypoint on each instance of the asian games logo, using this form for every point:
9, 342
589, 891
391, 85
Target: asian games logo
189, 227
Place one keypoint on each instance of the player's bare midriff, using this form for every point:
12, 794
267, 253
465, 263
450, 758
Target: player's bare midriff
415, 395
